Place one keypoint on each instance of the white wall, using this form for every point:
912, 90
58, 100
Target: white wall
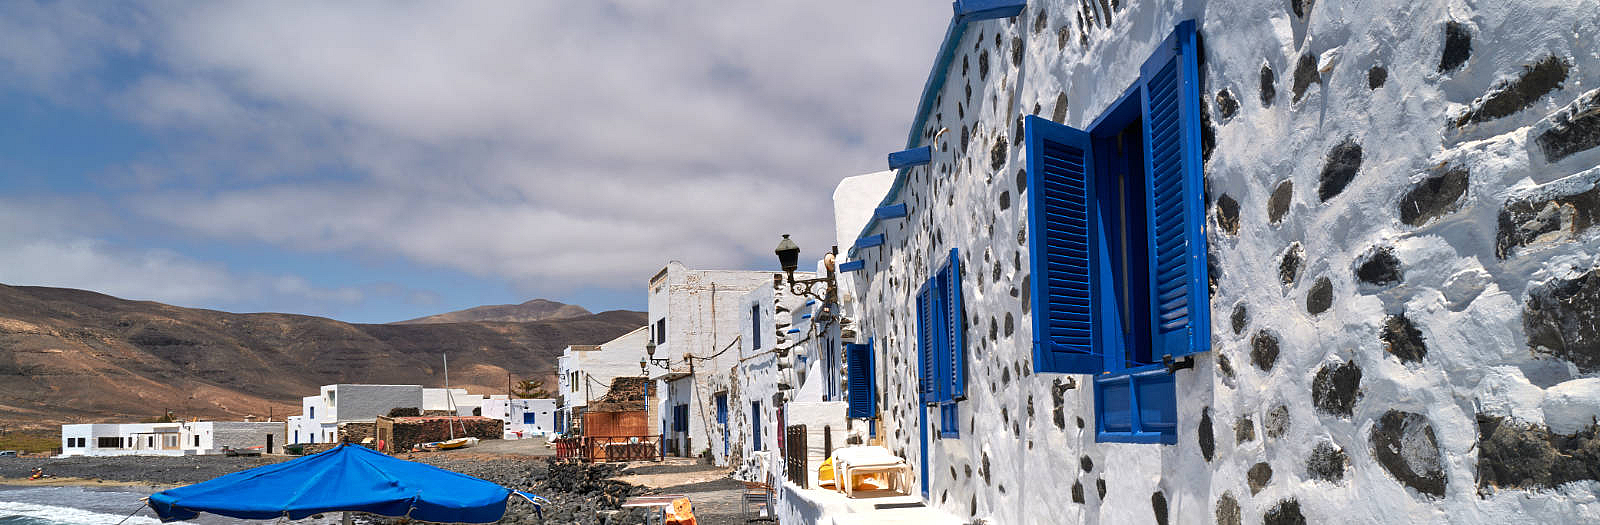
356, 403
597, 365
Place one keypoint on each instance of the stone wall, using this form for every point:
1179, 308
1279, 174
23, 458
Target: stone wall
411, 431
1400, 208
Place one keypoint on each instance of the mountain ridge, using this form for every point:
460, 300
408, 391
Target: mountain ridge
527, 311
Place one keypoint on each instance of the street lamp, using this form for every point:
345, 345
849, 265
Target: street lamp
789, 259
650, 353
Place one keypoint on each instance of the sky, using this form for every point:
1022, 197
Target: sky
380, 161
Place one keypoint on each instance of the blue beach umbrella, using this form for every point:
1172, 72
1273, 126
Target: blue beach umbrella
346, 478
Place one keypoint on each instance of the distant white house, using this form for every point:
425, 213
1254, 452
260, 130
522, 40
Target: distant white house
322, 414
183, 438
586, 371
523, 418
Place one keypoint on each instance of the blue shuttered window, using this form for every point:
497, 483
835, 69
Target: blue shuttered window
755, 426
1118, 245
941, 342
862, 380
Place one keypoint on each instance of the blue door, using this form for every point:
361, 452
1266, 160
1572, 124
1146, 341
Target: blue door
722, 419
755, 425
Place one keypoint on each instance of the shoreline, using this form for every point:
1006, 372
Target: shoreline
85, 482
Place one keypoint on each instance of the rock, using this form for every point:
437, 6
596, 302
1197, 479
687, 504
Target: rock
1228, 510
1379, 267
1402, 339
1457, 46
1512, 454
1059, 113
1269, 89
1207, 438
1225, 365
1077, 492
1376, 77
1264, 350
1327, 462
1305, 74
1228, 214
1343, 161
1573, 129
1240, 318
1556, 214
1289, 264
1433, 196
1286, 512
1404, 444
1336, 389
1259, 476
1320, 297
1244, 430
997, 154
1562, 319
1505, 98
1278, 203
1158, 504
1227, 106
1022, 181
1276, 424
1016, 51
1100, 488
1085, 463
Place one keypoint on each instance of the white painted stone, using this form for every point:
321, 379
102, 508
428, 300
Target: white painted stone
1573, 405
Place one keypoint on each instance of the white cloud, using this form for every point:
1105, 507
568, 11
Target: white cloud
557, 145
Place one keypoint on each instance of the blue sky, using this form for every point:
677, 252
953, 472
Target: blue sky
373, 162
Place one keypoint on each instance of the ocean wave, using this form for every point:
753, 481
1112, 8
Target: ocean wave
18, 513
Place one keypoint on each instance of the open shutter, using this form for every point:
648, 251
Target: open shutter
955, 327
862, 388
1136, 407
1061, 223
925, 385
1179, 299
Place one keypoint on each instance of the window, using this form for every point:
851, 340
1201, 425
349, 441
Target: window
311, 412
941, 333
680, 418
109, 442
862, 381
755, 426
661, 330
755, 327
528, 418
1118, 247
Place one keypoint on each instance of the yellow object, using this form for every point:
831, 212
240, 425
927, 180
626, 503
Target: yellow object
681, 513
825, 474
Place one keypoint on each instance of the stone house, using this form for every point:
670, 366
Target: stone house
1241, 262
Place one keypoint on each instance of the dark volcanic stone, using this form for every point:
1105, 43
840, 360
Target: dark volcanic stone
1305, 73
1320, 297
1085, 463
1276, 424
1562, 319
1575, 128
1269, 86
1016, 51
1058, 114
983, 65
1158, 504
1403, 339
1278, 203
1380, 267
1289, 265
1022, 181
1519, 455
1506, 98
1336, 389
1433, 197
1301, 7
1259, 476
1228, 510
1546, 218
1100, 488
1326, 463
1264, 350
1244, 430
1077, 492
1207, 438
1040, 21
1213, 272
1344, 160
1376, 77
1228, 214
1404, 444
997, 155
1058, 394
1286, 512
1457, 46
1227, 106
1225, 365
1240, 318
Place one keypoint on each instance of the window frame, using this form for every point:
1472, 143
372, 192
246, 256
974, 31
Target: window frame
941, 342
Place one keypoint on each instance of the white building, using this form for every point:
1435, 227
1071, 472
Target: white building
692, 327
524, 418
584, 372
183, 438
321, 414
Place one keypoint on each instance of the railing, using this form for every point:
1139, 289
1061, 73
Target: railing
600, 449
795, 457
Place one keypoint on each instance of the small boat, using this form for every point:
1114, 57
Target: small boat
457, 443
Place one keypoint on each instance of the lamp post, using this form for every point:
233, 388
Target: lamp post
650, 355
789, 259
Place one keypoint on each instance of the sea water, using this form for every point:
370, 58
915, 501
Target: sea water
76, 505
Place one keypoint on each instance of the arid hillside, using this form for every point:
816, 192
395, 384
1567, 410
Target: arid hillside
535, 310
78, 356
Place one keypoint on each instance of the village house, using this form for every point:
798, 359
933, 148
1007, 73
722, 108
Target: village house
584, 372
345, 410
179, 438
1238, 261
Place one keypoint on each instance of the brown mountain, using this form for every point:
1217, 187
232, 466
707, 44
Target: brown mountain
78, 356
535, 310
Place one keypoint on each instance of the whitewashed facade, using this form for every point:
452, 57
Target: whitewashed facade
181, 438
584, 372
524, 418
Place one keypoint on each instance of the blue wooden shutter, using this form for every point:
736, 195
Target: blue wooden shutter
755, 426
1137, 407
1062, 227
925, 385
1179, 298
755, 327
955, 328
858, 358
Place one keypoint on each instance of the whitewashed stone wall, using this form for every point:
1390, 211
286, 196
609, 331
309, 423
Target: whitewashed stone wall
1400, 206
